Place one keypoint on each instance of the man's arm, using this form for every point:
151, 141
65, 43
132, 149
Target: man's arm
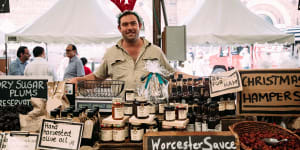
84, 78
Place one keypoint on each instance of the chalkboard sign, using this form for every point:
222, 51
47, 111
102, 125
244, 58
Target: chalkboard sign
269, 92
17, 90
225, 82
189, 140
19, 140
60, 135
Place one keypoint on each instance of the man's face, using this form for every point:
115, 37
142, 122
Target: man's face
26, 55
70, 52
130, 28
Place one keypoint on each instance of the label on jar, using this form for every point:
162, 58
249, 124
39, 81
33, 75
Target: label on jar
182, 114
142, 111
152, 109
190, 127
230, 105
218, 127
204, 127
137, 135
170, 115
152, 130
129, 96
106, 135
198, 126
161, 108
119, 113
118, 135
221, 106
88, 129
128, 110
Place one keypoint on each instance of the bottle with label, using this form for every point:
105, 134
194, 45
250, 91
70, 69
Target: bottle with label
196, 90
179, 85
211, 120
106, 133
201, 89
185, 92
218, 119
129, 95
87, 136
190, 89
118, 133
173, 94
136, 132
191, 116
222, 106
169, 113
204, 117
181, 112
198, 117
76, 116
117, 109
206, 94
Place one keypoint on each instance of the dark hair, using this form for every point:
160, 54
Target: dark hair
84, 60
38, 51
21, 50
128, 12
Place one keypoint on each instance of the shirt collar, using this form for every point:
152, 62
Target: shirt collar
20, 62
146, 43
73, 58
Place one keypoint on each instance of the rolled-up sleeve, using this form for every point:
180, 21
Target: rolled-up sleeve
102, 70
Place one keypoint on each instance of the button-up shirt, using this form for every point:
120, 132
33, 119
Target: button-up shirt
39, 66
119, 65
74, 69
17, 67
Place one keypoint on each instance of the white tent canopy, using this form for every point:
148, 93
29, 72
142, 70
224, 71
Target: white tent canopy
71, 21
230, 22
2, 39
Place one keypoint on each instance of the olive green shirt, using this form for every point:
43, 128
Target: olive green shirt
119, 65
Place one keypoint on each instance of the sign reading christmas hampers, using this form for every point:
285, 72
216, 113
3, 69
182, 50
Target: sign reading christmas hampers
269, 92
17, 90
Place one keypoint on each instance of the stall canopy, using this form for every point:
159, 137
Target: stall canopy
296, 32
230, 22
2, 35
71, 21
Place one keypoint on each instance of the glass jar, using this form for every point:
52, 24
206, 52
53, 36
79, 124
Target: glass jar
181, 113
136, 132
128, 109
152, 127
118, 133
169, 113
161, 105
117, 109
106, 133
129, 95
141, 110
152, 108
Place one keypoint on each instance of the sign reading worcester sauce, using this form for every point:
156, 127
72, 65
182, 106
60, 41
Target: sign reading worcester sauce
17, 90
273, 92
225, 82
189, 141
60, 135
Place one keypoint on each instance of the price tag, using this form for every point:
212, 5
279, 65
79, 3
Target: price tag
60, 135
19, 140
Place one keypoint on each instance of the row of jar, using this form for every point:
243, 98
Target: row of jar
133, 131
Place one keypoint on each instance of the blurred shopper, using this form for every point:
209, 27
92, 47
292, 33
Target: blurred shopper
17, 67
39, 65
87, 70
75, 67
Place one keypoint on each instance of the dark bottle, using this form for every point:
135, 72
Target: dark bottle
201, 89
185, 92
191, 116
198, 117
211, 120
179, 90
205, 116
190, 89
87, 136
196, 91
230, 105
221, 105
206, 94
218, 119
173, 94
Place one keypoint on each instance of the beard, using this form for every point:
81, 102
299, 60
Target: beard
131, 37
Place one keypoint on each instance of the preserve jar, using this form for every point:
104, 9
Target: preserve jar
117, 109
136, 132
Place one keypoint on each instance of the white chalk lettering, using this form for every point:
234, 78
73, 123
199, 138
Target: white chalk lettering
207, 143
155, 145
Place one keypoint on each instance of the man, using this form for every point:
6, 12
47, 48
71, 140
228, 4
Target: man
17, 67
39, 66
75, 67
126, 60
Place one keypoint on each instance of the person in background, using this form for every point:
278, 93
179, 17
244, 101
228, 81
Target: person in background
87, 70
126, 60
39, 65
75, 67
17, 67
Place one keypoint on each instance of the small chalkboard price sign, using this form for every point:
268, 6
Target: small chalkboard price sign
269, 92
19, 140
17, 90
60, 135
189, 141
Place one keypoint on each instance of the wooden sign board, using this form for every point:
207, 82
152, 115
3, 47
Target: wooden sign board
225, 82
62, 135
269, 92
19, 140
17, 90
189, 140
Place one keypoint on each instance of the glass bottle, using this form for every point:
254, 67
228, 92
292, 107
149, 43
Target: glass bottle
179, 90
206, 94
75, 117
53, 114
222, 105
87, 136
191, 116
185, 92
173, 94
196, 89
190, 89
204, 117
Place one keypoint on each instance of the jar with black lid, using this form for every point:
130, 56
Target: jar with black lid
106, 133
128, 109
141, 110
136, 132
169, 113
181, 113
129, 95
119, 133
152, 108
